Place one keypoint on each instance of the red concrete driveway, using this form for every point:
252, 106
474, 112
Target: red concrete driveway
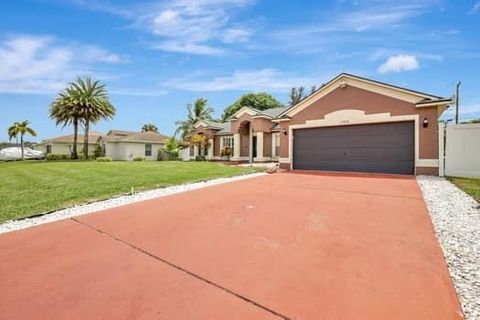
283, 246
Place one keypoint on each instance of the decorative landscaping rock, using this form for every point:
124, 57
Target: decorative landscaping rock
456, 218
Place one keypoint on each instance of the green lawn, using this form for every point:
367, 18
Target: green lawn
470, 186
31, 187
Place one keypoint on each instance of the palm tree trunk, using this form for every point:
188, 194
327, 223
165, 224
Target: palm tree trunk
21, 146
75, 138
85, 139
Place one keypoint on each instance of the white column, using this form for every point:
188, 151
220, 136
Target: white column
195, 151
250, 144
274, 139
210, 149
260, 137
236, 146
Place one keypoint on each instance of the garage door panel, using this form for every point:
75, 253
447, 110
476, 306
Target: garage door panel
387, 148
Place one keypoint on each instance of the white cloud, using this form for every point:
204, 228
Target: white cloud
196, 27
399, 63
201, 27
381, 16
244, 80
236, 35
353, 24
40, 64
96, 54
475, 8
193, 48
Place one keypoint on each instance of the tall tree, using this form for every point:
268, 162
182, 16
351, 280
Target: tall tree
84, 101
149, 127
93, 103
297, 94
200, 110
21, 129
259, 101
65, 111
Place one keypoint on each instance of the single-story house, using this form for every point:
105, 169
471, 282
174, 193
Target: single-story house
63, 144
127, 145
349, 124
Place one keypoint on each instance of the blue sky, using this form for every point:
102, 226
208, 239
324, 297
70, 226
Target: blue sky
157, 56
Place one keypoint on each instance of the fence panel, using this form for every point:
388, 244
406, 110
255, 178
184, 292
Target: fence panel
462, 150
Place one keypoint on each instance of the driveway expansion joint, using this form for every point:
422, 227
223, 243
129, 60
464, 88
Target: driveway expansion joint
183, 270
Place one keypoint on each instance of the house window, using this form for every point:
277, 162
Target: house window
148, 150
49, 148
277, 144
228, 142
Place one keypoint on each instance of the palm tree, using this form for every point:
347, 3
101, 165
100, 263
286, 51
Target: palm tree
64, 110
149, 127
200, 111
82, 102
21, 128
93, 104
171, 147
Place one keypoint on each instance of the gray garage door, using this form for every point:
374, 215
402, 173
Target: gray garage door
384, 148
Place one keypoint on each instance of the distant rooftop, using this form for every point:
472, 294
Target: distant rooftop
92, 138
132, 136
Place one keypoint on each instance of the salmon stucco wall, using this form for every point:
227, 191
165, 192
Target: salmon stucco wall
354, 98
267, 144
258, 124
216, 146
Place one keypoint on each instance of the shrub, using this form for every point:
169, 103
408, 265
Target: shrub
200, 158
164, 155
98, 152
104, 159
57, 157
226, 152
139, 159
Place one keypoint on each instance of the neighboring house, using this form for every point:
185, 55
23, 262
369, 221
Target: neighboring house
127, 145
349, 124
63, 144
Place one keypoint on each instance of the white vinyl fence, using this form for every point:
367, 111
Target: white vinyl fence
460, 145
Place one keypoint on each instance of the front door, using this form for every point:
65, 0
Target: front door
254, 147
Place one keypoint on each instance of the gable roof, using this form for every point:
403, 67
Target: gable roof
132, 136
274, 112
416, 97
267, 113
93, 136
221, 127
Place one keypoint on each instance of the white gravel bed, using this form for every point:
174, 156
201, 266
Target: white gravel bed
12, 225
456, 218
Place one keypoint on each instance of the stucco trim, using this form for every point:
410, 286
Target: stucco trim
242, 111
432, 163
239, 158
440, 104
347, 80
281, 120
353, 117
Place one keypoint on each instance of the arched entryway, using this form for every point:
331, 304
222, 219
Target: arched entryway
248, 141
